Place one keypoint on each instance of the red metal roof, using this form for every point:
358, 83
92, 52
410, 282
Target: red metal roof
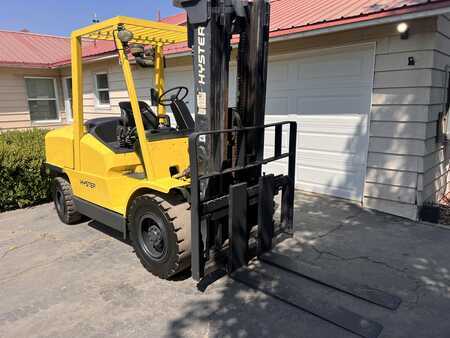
177, 19
37, 50
289, 14
295, 16
287, 17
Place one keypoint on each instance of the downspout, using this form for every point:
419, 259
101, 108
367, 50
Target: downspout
445, 109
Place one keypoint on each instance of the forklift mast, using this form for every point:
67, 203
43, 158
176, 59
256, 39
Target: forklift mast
212, 25
230, 198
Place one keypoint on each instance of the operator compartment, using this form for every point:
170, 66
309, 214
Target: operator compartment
121, 151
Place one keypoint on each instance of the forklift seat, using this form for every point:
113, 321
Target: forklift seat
105, 129
148, 116
182, 115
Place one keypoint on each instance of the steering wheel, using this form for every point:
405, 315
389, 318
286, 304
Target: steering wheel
179, 93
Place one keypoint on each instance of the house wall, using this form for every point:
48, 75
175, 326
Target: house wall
405, 106
402, 131
91, 108
435, 163
405, 165
14, 110
143, 81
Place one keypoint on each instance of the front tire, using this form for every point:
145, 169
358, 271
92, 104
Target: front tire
160, 233
64, 203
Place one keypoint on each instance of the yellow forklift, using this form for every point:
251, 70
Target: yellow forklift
196, 193
129, 169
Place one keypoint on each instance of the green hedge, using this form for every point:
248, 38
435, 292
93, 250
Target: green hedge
23, 182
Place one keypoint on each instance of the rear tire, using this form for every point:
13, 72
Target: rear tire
160, 233
64, 203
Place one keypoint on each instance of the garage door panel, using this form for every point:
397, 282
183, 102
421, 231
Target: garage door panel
343, 66
340, 162
344, 161
277, 105
276, 168
337, 124
339, 191
270, 141
326, 103
278, 72
329, 94
326, 177
330, 143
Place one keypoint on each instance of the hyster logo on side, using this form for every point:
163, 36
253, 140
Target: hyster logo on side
201, 93
201, 56
88, 184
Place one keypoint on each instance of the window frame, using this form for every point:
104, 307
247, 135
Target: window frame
67, 97
56, 99
98, 104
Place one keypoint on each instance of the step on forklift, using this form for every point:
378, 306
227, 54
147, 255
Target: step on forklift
195, 193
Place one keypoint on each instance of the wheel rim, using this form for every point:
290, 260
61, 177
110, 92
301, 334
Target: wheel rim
59, 201
153, 237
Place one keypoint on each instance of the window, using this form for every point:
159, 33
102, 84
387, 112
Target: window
101, 81
42, 99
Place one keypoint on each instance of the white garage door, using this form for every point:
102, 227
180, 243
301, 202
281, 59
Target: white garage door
328, 93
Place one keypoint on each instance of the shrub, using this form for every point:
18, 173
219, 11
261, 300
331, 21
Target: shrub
23, 181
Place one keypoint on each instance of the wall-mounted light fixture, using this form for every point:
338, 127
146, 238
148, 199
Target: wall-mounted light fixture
403, 29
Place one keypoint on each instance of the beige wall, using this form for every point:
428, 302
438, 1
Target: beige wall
143, 81
91, 108
14, 110
435, 165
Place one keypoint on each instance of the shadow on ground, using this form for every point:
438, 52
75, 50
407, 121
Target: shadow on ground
388, 253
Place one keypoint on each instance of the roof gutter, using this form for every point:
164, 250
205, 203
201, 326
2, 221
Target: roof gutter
86, 60
25, 65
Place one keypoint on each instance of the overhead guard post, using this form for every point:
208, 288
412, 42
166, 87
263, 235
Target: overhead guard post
128, 75
77, 98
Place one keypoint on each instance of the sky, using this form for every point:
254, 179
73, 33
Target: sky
60, 17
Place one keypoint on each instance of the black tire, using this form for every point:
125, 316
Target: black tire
64, 204
160, 233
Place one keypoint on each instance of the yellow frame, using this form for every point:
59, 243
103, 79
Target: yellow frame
157, 34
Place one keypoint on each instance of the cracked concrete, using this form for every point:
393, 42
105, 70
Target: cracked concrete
84, 281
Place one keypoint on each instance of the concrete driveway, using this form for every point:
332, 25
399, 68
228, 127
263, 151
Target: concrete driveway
83, 281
